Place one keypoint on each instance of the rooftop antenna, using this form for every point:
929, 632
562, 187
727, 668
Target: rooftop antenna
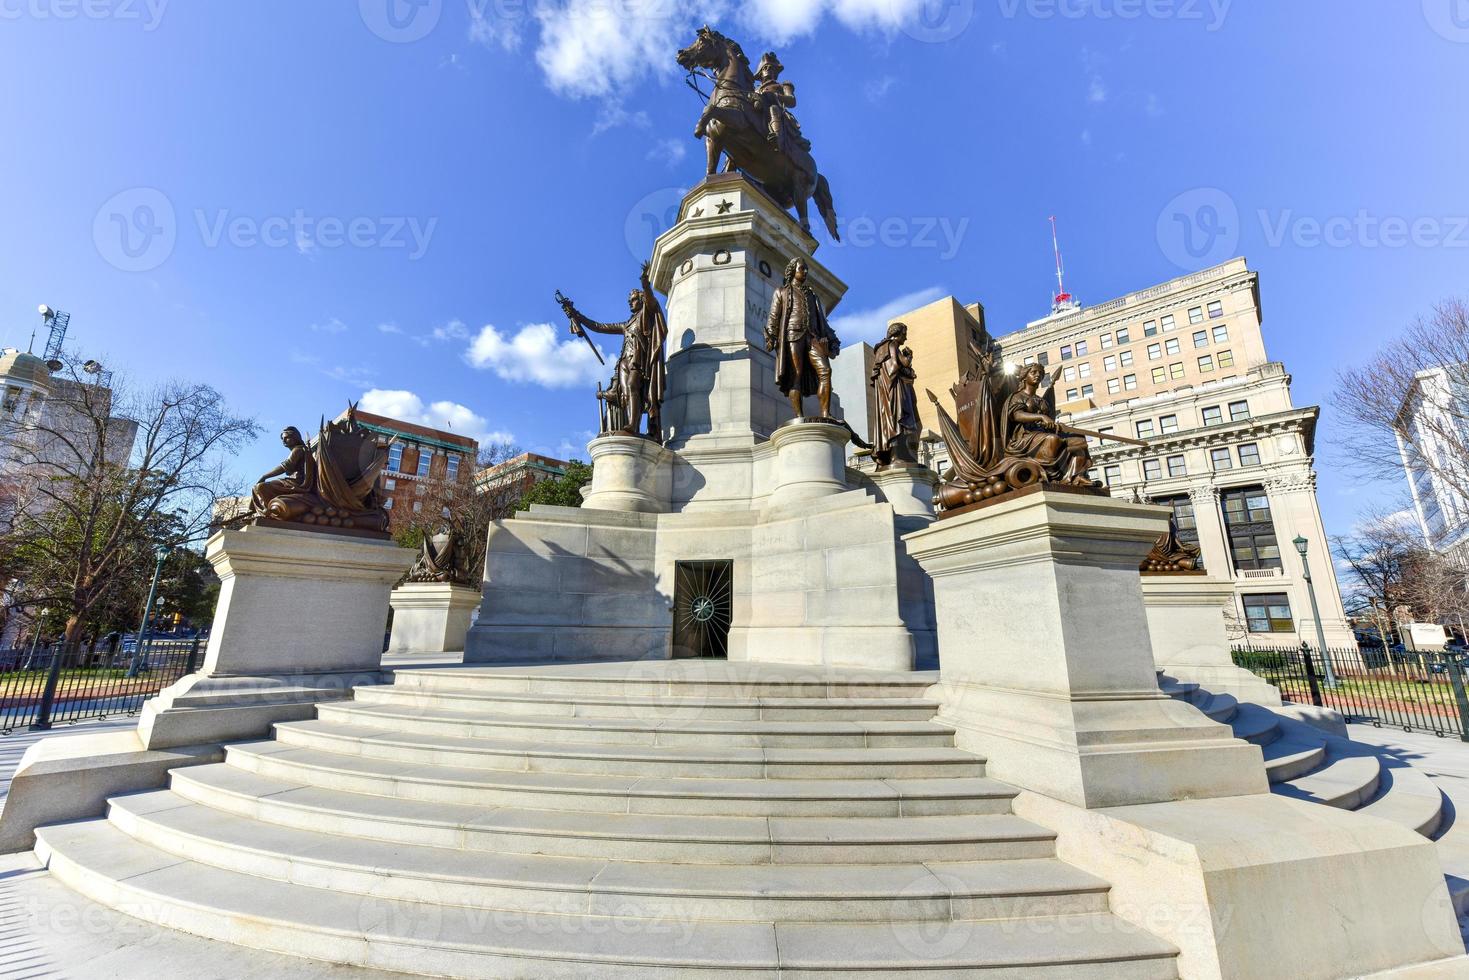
1062, 302
57, 321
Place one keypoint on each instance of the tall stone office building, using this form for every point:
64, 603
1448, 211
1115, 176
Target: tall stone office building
1183, 366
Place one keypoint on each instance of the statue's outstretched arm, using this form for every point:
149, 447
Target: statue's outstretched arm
597, 326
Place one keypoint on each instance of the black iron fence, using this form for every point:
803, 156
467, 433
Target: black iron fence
1411, 691
43, 687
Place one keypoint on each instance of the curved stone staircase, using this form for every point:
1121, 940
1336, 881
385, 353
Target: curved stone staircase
612, 820
1307, 763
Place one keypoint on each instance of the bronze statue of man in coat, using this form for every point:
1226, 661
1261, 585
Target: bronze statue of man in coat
803, 341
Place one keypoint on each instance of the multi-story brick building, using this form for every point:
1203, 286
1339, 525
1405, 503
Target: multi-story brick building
420, 461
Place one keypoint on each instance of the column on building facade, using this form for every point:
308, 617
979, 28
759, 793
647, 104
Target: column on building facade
1213, 541
1294, 509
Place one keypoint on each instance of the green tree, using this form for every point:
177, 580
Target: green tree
560, 491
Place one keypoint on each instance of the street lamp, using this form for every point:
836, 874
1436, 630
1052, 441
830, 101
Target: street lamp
1300, 543
160, 554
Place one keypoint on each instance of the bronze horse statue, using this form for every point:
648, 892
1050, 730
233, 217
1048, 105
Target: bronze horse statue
734, 124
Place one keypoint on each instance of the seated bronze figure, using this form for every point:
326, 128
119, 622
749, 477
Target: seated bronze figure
330, 485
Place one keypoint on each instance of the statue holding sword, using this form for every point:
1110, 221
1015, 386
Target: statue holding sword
640, 376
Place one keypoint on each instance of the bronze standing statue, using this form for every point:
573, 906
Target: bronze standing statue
896, 437
802, 340
748, 119
640, 377
331, 485
1008, 437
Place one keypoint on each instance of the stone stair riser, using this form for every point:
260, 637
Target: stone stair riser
690, 689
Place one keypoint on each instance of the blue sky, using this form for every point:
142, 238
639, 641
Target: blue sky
325, 199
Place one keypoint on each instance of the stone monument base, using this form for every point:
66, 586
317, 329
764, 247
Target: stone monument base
909, 489
629, 473
1046, 666
1186, 625
431, 617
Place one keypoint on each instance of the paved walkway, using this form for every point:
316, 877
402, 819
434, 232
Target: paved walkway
14, 745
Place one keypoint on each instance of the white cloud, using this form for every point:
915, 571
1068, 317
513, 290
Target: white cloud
614, 114
870, 325
537, 355
331, 326
600, 49
389, 328
493, 31
360, 376
877, 89
453, 330
1097, 93
452, 416
669, 151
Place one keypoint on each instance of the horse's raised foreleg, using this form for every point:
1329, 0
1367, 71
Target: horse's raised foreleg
702, 127
729, 166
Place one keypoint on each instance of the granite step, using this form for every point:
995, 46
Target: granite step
1256, 724
870, 797
590, 757
425, 936
397, 871
1293, 756
1345, 781
826, 733
726, 680
653, 708
633, 836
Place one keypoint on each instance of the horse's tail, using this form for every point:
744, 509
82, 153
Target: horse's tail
826, 207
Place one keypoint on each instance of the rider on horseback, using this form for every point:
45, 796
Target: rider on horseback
777, 98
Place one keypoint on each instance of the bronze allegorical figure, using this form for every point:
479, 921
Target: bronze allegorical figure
803, 341
1171, 554
440, 560
331, 485
748, 120
895, 438
640, 378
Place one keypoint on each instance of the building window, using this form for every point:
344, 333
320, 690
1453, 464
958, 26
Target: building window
1168, 324
1183, 516
1213, 415
1175, 371
1251, 531
1069, 374
1066, 353
1216, 310
453, 471
1145, 429
1150, 328
1171, 345
1104, 430
1167, 424
1087, 391
1201, 338
1206, 363
395, 457
1221, 333
1221, 459
425, 460
390, 484
1029, 359
1084, 370
1106, 341
1239, 411
1123, 336
1043, 358
1129, 382
1269, 612
388, 504
417, 506
1196, 315
1125, 358
1160, 375
1249, 454
1155, 352
1152, 469
1177, 467
1112, 475
1071, 394
1113, 386
1226, 358
1081, 348
1109, 363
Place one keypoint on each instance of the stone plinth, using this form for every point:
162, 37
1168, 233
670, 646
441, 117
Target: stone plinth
810, 461
431, 617
1187, 628
300, 619
909, 489
1046, 664
629, 473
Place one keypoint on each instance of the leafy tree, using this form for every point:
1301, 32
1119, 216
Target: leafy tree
560, 491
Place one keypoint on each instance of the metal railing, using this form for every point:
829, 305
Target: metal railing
43, 688
1384, 688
